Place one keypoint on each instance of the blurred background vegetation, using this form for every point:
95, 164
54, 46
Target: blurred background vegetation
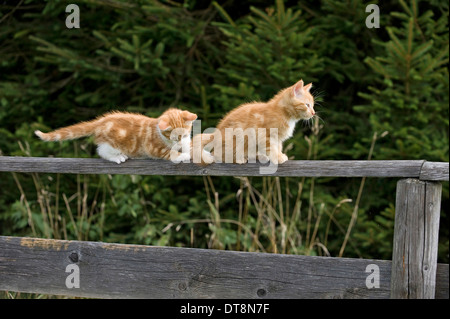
381, 94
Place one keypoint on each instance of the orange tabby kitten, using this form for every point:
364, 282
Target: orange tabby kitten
121, 135
251, 125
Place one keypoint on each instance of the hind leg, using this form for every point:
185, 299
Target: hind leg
110, 153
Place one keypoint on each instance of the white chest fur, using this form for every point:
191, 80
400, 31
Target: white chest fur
185, 144
290, 130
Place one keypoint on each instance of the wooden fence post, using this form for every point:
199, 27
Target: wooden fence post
416, 234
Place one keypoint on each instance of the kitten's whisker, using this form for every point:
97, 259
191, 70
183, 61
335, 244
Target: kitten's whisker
319, 118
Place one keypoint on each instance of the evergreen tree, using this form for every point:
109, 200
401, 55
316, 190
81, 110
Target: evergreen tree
409, 96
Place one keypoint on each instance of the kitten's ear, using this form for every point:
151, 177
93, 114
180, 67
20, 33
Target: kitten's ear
163, 125
307, 87
188, 116
298, 87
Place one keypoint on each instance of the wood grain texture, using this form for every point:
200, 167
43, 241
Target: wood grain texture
134, 271
434, 171
162, 167
414, 261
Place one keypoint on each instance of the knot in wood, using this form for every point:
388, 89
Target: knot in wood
73, 257
261, 292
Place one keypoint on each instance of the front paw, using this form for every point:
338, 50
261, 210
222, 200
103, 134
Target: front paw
183, 157
241, 161
263, 158
207, 157
282, 158
120, 158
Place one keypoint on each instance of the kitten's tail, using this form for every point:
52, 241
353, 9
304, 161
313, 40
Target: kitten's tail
69, 132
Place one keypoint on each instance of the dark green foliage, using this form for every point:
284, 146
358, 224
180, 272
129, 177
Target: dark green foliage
410, 96
386, 86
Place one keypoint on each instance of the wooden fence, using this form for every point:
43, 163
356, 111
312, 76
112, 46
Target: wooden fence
95, 269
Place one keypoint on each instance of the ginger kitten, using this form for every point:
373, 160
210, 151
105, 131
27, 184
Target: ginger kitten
251, 124
122, 135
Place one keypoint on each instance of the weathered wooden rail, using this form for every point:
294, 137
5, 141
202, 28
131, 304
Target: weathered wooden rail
420, 169
93, 269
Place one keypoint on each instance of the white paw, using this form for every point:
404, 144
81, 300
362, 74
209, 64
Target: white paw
282, 158
184, 157
241, 161
120, 158
110, 153
263, 158
207, 157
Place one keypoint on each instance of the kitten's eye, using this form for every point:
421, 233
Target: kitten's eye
308, 105
185, 136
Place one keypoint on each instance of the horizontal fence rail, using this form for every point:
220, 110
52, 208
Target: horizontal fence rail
137, 271
435, 171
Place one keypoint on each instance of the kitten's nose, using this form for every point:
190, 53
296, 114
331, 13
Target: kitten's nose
312, 112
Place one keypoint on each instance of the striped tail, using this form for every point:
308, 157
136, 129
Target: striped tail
69, 132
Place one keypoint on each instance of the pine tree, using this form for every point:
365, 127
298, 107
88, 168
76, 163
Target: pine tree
409, 97
265, 52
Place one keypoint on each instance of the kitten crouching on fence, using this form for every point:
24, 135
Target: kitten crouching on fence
123, 135
256, 130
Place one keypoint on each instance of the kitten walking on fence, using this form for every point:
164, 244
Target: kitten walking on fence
121, 135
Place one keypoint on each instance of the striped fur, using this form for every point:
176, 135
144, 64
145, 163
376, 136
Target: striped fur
282, 113
122, 135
